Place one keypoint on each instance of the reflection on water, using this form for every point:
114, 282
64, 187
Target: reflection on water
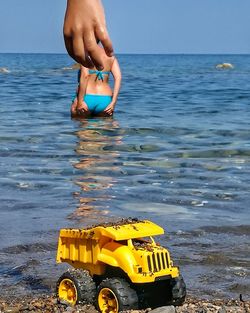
96, 166
183, 192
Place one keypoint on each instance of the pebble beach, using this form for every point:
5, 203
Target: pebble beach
48, 304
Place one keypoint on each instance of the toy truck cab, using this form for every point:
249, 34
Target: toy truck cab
122, 256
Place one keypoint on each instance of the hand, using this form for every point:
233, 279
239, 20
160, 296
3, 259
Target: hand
84, 25
110, 109
73, 107
82, 108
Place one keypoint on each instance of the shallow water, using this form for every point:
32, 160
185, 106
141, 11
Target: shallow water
177, 152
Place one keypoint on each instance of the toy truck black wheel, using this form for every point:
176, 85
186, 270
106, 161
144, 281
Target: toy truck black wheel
178, 289
76, 286
115, 295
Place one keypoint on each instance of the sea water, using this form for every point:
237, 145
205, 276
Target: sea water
176, 152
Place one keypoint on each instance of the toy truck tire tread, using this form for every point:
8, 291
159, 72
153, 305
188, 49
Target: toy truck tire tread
126, 296
86, 288
178, 291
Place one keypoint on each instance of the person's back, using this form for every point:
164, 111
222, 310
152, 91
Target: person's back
98, 81
95, 96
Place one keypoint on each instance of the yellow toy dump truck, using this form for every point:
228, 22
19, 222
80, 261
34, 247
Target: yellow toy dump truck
118, 267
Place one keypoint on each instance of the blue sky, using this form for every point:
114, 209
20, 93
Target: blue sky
136, 26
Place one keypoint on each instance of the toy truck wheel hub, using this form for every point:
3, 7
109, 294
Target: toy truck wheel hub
108, 301
67, 291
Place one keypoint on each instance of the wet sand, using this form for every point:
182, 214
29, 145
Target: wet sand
48, 304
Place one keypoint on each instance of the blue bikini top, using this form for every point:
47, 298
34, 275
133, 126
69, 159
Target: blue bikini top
99, 74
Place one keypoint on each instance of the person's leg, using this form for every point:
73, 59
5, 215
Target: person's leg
82, 115
103, 114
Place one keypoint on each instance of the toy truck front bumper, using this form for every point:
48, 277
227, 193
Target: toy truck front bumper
150, 277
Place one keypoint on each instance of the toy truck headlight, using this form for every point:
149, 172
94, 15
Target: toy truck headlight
138, 269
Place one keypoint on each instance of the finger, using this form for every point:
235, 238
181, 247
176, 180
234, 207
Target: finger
90, 64
108, 108
92, 49
81, 109
79, 52
69, 45
103, 36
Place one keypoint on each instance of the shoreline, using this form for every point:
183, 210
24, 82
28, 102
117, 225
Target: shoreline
48, 304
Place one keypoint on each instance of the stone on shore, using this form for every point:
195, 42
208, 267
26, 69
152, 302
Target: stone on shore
164, 309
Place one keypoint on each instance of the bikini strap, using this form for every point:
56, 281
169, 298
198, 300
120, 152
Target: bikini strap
99, 74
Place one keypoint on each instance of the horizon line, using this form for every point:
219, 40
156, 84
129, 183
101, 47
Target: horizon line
142, 53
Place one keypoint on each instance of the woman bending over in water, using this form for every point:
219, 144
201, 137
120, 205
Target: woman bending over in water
94, 95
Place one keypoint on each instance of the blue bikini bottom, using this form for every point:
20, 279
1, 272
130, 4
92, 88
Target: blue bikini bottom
97, 103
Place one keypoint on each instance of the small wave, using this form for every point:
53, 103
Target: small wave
28, 248
239, 230
236, 230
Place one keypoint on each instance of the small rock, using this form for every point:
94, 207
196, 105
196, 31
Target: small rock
4, 70
38, 304
222, 310
164, 309
225, 66
54, 301
31, 307
11, 309
25, 307
201, 310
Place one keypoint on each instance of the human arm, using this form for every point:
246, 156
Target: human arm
81, 105
84, 26
116, 72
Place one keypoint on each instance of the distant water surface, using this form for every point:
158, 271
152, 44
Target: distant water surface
177, 152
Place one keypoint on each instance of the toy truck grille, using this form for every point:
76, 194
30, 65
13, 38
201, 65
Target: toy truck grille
157, 261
